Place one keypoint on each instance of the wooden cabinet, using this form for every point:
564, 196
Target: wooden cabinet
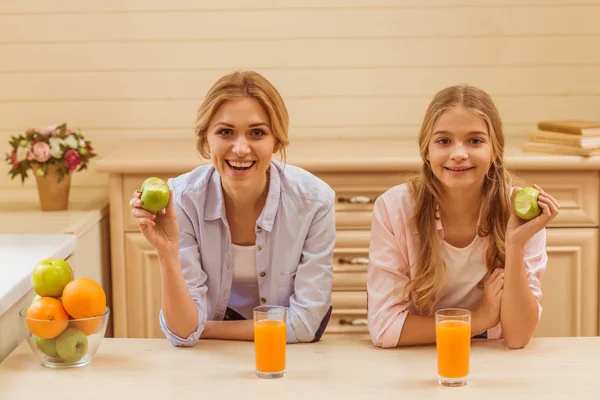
143, 287
570, 284
359, 172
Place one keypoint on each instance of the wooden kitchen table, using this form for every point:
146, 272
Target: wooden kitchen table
335, 368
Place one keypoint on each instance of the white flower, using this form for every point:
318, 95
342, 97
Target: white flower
55, 149
71, 141
45, 130
82, 143
22, 153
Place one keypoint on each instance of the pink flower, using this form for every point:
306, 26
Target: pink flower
41, 151
68, 131
46, 130
72, 159
13, 159
30, 156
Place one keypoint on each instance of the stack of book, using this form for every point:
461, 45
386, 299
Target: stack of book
568, 137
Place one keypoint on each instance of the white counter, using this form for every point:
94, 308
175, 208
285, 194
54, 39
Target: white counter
19, 253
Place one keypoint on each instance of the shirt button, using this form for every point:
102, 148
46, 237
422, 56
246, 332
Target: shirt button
263, 300
259, 247
262, 274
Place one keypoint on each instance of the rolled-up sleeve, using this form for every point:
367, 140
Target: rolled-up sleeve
536, 260
387, 277
310, 304
193, 274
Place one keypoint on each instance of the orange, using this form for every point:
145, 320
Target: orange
84, 298
53, 314
88, 326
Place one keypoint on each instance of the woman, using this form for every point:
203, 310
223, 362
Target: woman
245, 230
450, 238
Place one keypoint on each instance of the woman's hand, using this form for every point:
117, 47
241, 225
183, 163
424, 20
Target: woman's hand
160, 229
519, 231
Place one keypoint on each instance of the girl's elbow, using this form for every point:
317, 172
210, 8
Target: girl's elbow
517, 343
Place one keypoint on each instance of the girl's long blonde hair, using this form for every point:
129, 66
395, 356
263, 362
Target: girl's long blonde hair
426, 287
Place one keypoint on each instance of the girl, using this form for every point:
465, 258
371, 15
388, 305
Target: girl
243, 231
437, 238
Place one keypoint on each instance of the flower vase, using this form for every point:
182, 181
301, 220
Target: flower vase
53, 195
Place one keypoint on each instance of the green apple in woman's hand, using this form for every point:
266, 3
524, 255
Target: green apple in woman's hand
155, 194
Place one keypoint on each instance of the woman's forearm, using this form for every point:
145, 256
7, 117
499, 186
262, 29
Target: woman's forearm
179, 310
519, 307
229, 330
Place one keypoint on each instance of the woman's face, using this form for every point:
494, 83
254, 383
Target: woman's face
241, 143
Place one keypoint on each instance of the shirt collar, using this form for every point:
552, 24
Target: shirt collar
438, 220
215, 206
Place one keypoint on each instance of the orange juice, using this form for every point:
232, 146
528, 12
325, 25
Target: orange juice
453, 339
269, 345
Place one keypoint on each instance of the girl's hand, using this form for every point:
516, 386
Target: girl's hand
487, 315
519, 231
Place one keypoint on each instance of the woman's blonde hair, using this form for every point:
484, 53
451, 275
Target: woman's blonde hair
238, 85
426, 287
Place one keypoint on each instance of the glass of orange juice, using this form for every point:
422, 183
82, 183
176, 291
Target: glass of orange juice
453, 342
270, 341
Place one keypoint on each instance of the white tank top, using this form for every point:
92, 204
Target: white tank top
466, 269
244, 289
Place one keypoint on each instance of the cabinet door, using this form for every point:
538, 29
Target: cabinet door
570, 284
349, 314
142, 273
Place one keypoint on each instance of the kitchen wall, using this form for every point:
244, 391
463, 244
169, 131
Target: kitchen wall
138, 69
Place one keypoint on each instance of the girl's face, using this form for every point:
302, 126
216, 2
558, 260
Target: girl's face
460, 151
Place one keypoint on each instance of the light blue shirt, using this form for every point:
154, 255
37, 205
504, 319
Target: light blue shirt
295, 237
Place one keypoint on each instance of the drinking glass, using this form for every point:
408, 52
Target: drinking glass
453, 342
270, 341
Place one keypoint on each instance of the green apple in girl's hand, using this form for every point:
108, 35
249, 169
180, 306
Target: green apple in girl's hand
525, 203
155, 194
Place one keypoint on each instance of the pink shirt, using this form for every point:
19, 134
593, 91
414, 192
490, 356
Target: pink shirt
393, 252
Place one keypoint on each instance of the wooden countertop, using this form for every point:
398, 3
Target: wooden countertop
335, 368
319, 155
20, 211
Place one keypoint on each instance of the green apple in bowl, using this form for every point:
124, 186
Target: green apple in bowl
155, 194
72, 345
525, 203
50, 276
37, 296
47, 346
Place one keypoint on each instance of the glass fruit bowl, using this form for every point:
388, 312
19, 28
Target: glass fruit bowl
64, 343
